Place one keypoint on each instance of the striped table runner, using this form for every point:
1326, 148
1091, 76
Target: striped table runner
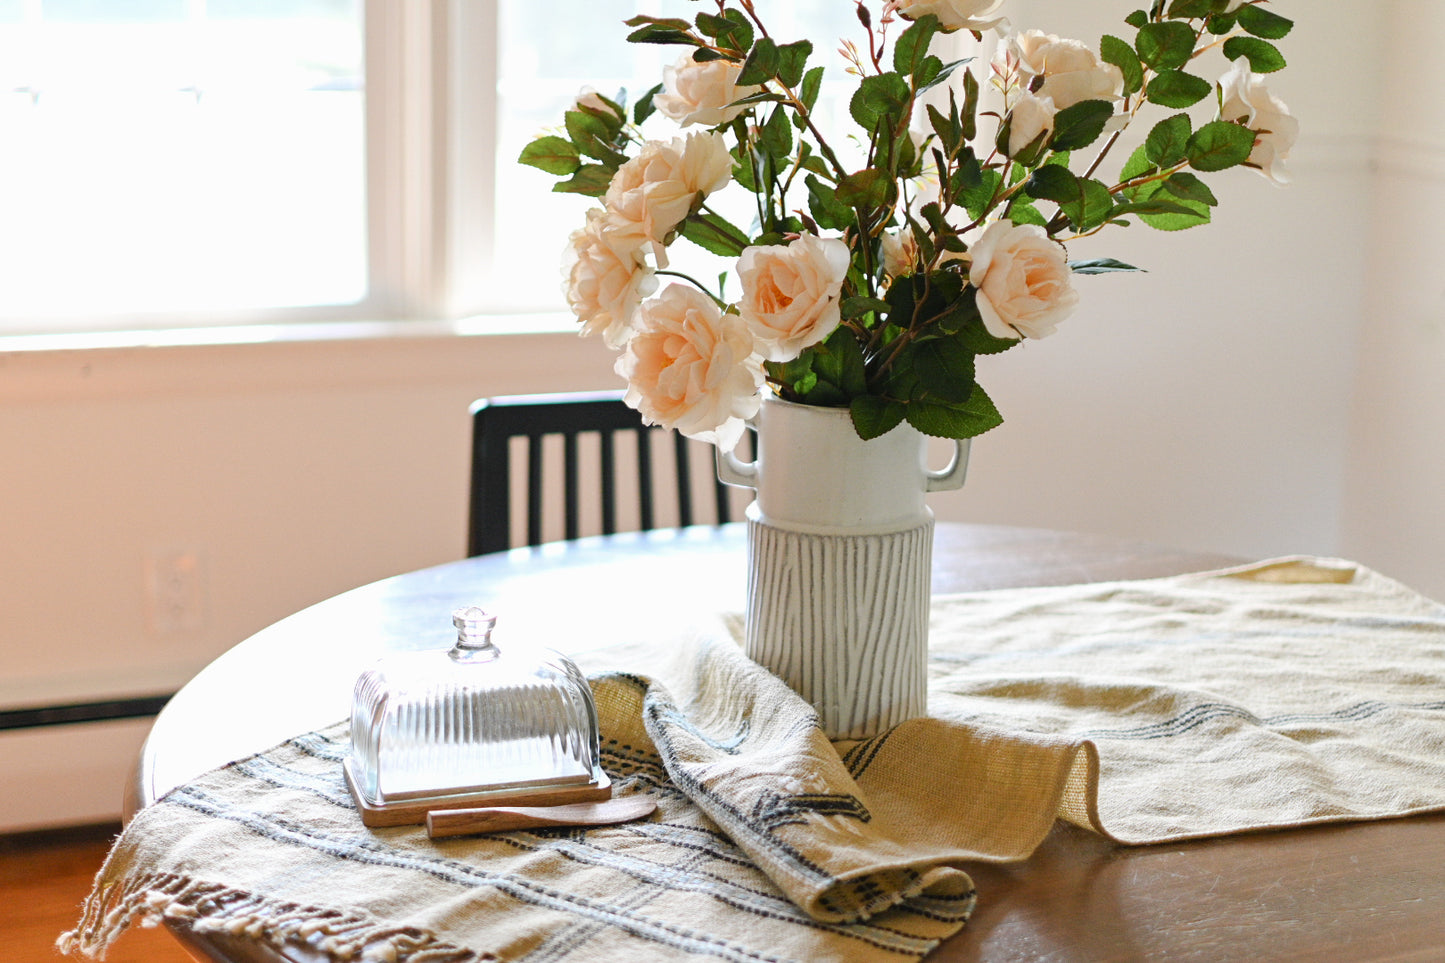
1291, 692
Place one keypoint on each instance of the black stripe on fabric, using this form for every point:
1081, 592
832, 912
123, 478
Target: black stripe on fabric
463, 874
861, 756
577, 849
695, 789
1198, 715
576, 935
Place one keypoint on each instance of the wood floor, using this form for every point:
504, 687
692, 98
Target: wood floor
43, 878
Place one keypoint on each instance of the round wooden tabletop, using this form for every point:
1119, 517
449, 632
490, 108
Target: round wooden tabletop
1364, 891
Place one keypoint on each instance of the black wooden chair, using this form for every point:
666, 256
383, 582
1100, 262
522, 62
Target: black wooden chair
496, 421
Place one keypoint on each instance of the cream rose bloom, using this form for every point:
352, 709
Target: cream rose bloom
588, 99
1071, 71
791, 293
652, 193
1244, 98
954, 14
1031, 116
606, 280
900, 252
701, 93
1025, 287
692, 368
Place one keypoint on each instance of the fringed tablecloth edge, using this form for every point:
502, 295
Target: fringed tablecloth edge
151, 899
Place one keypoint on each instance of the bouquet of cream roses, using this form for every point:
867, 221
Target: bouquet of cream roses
875, 282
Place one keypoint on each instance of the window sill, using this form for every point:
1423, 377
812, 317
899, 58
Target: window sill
536, 349
295, 332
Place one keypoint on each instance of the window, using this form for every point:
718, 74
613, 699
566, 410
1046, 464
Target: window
174, 158
172, 163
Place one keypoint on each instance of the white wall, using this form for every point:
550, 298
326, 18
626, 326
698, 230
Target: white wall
1210, 403
1396, 475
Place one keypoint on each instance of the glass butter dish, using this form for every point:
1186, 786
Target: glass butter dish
471, 726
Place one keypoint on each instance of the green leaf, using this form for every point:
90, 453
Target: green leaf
971, 418
711, 24
1187, 187
662, 34
911, 48
856, 307
1091, 207
874, 416
944, 368
871, 187
777, 134
1137, 19
1138, 165
1220, 24
826, 208
1170, 219
930, 73
1176, 89
1263, 23
1166, 46
975, 336
644, 107
792, 61
592, 136
948, 129
1084, 201
1103, 265
590, 179
839, 361
879, 97
1022, 211
762, 63
1052, 182
553, 154
1118, 52
970, 105
1154, 206
812, 84
1219, 145
1191, 9
978, 196
1165, 144
740, 37
1079, 125
669, 23
714, 234
1263, 56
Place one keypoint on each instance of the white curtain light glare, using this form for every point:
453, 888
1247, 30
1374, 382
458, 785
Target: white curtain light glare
180, 155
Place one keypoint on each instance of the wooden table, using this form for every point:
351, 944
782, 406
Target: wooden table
1368, 891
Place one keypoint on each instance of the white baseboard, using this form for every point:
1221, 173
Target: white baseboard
67, 775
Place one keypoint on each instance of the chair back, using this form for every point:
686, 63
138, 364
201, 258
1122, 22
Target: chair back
521, 426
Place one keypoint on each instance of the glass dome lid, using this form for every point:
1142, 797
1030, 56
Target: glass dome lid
472, 725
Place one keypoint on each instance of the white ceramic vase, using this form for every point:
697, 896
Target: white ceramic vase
840, 544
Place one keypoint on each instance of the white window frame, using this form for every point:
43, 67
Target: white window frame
431, 80
431, 129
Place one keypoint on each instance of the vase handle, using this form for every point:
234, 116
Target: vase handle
951, 476
732, 471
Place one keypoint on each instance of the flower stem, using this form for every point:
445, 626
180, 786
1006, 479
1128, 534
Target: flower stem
695, 283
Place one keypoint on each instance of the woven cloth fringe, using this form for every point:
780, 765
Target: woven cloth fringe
153, 898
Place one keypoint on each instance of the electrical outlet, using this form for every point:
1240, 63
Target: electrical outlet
175, 591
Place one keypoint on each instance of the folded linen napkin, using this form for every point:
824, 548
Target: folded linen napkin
1291, 692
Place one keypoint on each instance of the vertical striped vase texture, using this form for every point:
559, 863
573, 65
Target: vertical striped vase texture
843, 620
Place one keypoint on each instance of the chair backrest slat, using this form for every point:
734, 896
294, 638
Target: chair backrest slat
496, 421
684, 479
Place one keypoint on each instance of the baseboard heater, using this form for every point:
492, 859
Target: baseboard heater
137, 707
